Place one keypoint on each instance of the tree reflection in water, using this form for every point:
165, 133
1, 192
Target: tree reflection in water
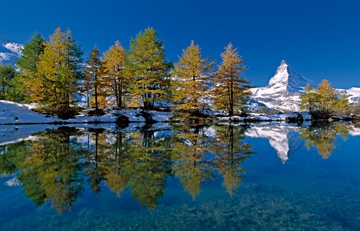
192, 157
323, 136
49, 167
231, 152
56, 165
149, 164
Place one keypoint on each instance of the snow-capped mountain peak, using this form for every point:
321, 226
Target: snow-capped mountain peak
285, 79
283, 91
281, 74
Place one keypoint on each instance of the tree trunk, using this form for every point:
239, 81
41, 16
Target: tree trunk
96, 94
120, 94
231, 96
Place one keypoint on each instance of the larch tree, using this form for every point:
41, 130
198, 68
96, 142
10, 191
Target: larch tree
60, 69
191, 75
28, 76
230, 88
323, 102
93, 72
115, 81
148, 68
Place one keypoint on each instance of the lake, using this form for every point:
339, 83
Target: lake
261, 176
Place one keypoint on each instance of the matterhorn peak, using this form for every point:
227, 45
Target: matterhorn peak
284, 90
283, 62
285, 79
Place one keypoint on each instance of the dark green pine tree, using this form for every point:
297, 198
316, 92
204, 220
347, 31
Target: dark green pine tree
7, 74
148, 67
72, 68
28, 64
93, 71
30, 55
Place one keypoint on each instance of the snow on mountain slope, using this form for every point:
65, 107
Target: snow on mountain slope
284, 139
352, 93
9, 51
285, 79
283, 91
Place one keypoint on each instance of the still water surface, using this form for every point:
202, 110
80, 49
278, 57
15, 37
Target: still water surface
257, 177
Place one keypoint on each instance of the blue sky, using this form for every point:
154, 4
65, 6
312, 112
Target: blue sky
319, 39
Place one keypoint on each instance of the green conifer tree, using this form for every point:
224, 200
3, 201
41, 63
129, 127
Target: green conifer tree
93, 72
7, 74
28, 80
148, 68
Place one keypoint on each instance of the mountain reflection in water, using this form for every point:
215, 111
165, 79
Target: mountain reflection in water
287, 139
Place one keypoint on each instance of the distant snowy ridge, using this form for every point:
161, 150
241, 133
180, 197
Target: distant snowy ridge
9, 51
352, 93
